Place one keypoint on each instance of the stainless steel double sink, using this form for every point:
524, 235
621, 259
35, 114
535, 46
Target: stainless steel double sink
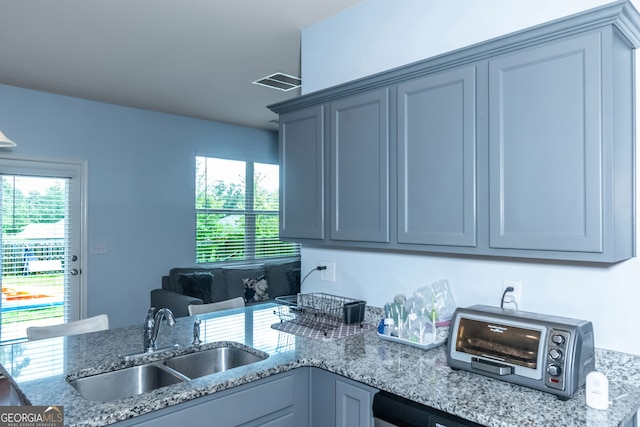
150, 376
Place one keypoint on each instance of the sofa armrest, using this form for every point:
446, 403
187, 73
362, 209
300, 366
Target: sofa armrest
177, 303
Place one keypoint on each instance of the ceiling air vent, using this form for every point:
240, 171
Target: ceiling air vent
280, 81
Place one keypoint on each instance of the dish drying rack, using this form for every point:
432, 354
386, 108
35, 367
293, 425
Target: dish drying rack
320, 311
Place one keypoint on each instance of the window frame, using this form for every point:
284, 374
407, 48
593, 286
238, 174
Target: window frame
249, 213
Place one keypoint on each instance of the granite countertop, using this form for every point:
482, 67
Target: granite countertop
39, 370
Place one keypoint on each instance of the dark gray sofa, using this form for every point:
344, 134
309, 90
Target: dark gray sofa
198, 285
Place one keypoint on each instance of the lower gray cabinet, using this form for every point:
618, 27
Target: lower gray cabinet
338, 401
278, 401
304, 397
353, 404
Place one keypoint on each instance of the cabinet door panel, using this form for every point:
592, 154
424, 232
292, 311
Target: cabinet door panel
281, 420
360, 168
437, 159
274, 399
302, 174
545, 148
339, 401
353, 405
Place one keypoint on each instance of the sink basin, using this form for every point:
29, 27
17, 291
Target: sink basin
124, 382
208, 362
144, 378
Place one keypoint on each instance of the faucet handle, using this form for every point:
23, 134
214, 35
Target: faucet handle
196, 333
150, 313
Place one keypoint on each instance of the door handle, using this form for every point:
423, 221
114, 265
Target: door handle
492, 367
74, 272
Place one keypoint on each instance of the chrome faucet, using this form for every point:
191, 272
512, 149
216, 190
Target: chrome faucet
196, 333
152, 326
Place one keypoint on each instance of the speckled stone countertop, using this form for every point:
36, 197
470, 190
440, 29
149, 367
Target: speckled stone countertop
40, 370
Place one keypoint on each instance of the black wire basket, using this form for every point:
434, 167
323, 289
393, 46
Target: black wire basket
320, 311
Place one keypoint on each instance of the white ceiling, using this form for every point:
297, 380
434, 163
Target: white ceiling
190, 57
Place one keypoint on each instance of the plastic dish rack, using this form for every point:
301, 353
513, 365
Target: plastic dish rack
320, 311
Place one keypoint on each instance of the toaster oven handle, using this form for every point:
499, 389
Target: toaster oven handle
491, 367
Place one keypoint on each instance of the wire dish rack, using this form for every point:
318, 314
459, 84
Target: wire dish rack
320, 311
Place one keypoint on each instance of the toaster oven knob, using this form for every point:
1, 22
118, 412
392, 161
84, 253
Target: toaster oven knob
555, 354
554, 370
557, 339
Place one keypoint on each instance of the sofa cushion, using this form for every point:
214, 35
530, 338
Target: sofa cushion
256, 289
175, 273
197, 285
219, 287
294, 280
235, 279
281, 282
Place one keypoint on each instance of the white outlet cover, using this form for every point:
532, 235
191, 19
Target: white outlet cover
329, 273
512, 299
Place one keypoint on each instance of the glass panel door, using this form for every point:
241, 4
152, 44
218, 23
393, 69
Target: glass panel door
40, 253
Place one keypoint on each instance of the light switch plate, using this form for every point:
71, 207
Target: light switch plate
98, 248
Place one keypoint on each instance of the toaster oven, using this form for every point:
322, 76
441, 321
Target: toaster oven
549, 353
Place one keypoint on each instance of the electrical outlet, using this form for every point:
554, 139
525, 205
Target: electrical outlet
329, 273
512, 299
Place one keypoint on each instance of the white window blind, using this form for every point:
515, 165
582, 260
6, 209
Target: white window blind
237, 211
35, 236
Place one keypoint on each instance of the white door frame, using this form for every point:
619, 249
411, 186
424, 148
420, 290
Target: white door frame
25, 164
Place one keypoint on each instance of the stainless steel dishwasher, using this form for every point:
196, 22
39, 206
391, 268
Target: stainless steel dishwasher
392, 410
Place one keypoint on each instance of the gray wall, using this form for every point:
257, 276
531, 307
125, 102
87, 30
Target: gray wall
140, 184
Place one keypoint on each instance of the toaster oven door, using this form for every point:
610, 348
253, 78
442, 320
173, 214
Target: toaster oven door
512, 344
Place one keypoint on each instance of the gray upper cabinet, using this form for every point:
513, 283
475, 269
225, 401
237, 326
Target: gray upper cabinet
360, 168
437, 159
522, 146
555, 183
545, 147
302, 174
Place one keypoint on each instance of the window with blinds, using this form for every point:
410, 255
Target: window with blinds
237, 212
35, 236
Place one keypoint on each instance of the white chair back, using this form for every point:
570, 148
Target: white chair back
90, 324
216, 306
